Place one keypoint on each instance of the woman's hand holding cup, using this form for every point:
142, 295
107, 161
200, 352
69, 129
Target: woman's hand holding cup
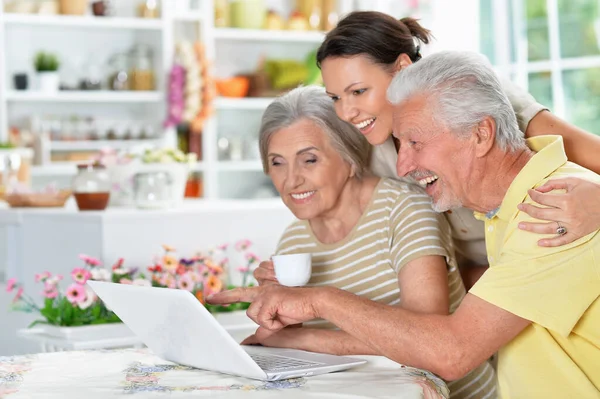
265, 273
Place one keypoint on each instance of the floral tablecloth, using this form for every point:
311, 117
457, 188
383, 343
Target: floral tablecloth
139, 373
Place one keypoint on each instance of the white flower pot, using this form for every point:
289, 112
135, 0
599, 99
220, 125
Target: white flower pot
48, 82
87, 333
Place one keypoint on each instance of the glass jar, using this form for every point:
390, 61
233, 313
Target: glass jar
148, 9
222, 14
248, 14
142, 70
119, 72
91, 187
153, 190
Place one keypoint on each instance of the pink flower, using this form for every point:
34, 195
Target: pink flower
222, 247
11, 284
186, 282
19, 295
243, 269
242, 244
50, 291
80, 275
75, 293
42, 277
90, 260
125, 281
168, 280
54, 280
89, 299
252, 258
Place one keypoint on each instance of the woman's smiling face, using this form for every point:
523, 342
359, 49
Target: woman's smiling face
307, 171
358, 88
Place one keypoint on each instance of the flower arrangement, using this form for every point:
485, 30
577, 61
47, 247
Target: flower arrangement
203, 274
168, 155
77, 305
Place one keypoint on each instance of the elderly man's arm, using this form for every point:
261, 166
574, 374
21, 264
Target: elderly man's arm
449, 346
423, 286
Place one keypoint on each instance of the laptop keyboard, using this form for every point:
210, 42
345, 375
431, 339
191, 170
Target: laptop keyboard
274, 362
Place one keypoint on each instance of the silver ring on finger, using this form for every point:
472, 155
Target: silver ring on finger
561, 230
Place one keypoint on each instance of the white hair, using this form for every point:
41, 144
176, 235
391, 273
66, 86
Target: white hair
312, 103
465, 89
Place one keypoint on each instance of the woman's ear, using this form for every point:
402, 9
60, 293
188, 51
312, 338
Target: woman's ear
402, 62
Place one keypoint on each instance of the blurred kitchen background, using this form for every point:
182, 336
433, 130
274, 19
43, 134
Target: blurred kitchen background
79, 76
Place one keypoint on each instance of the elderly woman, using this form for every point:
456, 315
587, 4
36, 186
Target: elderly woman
374, 237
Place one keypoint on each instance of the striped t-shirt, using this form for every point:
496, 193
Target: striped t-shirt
397, 226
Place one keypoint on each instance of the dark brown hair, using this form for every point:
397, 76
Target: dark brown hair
379, 36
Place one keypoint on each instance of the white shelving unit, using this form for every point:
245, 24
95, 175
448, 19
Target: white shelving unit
89, 40
245, 35
230, 51
101, 96
87, 22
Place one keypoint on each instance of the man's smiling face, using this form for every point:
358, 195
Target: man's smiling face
438, 159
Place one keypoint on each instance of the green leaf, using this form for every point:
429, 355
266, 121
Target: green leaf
38, 322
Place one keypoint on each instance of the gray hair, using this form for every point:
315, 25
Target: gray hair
312, 103
466, 90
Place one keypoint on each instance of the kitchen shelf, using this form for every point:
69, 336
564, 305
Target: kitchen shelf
83, 21
193, 16
269, 35
96, 145
100, 96
55, 169
70, 168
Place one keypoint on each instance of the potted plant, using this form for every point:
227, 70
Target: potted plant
46, 66
75, 312
65, 310
122, 168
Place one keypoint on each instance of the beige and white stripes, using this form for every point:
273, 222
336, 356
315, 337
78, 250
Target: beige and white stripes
397, 227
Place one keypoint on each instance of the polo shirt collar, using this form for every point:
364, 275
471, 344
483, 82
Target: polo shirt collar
550, 155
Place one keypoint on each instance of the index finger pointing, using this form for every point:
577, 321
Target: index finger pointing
246, 294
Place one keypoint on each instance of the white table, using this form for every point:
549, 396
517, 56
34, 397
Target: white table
122, 373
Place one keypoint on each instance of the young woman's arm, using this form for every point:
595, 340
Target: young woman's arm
582, 147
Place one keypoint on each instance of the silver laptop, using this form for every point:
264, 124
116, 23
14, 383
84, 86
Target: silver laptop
178, 328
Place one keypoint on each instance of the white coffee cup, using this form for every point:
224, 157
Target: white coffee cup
293, 270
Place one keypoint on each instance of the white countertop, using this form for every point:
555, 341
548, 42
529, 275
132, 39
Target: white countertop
14, 215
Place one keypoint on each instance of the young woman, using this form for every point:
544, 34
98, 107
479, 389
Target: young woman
358, 60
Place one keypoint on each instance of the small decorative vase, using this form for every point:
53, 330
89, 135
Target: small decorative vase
48, 82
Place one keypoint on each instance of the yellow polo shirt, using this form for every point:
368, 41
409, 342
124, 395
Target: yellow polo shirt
557, 289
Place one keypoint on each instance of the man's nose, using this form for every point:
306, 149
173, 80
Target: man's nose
405, 163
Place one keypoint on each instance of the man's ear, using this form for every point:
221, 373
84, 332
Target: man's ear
484, 135
401, 62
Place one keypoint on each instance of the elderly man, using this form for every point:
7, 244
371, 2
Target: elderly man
539, 306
